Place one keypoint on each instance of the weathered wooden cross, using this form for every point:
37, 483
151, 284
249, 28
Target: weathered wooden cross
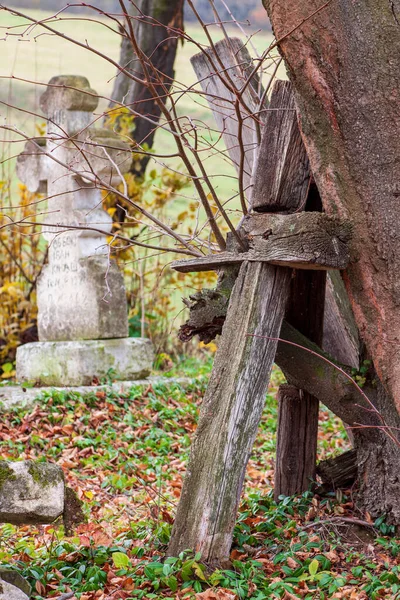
279, 238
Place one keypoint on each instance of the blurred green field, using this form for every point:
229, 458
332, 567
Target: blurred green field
30, 53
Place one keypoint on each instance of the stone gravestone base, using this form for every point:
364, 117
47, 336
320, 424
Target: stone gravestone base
77, 363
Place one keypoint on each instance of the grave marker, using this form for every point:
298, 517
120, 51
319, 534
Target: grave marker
82, 308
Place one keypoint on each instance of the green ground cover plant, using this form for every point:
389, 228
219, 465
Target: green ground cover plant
125, 455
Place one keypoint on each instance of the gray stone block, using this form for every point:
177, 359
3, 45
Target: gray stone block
15, 579
30, 492
10, 592
77, 363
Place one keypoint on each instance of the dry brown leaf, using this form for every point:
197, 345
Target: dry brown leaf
216, 594
291, 563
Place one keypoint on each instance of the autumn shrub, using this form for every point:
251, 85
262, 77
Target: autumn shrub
22, 255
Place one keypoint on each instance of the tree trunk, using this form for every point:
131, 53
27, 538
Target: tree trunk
151, 21
343, 59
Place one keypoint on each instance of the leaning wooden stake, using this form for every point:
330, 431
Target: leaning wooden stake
238, 121
235, 396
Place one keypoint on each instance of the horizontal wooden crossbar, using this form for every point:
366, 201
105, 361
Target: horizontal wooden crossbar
304, 240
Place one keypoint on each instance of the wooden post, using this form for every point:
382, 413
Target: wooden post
297, 430
296, 441
235, 397
238, 66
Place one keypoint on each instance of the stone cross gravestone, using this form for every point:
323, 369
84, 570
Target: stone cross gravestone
82, 308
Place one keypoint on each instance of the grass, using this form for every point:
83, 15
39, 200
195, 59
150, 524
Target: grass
125, 458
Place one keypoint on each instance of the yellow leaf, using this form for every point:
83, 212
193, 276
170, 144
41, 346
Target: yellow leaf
198, 572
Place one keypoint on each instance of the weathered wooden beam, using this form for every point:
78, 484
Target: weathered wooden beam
338, 472
233, 404
296, 441
230, 413
284, 190
298, 411
341, 339
308, 240
237, 67
211, 262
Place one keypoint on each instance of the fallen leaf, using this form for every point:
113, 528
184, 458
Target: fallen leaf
216, 594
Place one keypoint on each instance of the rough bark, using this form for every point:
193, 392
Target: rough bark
151, 21
343, 61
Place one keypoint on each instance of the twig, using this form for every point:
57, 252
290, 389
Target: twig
351, 520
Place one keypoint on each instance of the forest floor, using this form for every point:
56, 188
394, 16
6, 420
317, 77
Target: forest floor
125, 458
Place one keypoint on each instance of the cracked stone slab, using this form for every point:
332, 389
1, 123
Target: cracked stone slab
14, 578
11, 592
76, 363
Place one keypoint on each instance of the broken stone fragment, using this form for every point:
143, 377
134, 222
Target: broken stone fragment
14, 578
11, 592
30, 492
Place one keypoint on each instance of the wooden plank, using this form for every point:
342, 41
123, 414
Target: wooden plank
232, 407
296, 441
308, 240
237, 68
211, 262
341, 339
230, 413
298, 411
286, 189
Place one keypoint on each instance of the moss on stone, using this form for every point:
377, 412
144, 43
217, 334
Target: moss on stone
44, 474
6, 473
